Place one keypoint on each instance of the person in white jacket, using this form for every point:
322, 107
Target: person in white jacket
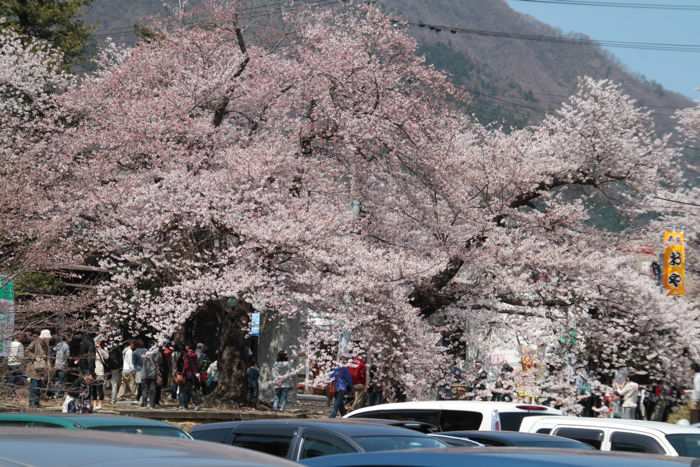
629, 392
128, 371
97, 393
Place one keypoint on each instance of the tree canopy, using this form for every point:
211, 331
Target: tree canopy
55, 21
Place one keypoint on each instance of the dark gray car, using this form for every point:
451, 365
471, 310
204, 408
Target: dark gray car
517, 439
46, 447
305, 439
500, 457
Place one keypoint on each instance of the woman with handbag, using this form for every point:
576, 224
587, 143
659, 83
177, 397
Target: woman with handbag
37, 354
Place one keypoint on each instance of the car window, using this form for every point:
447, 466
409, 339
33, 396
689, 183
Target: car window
313, 446
393, 443
455, 441
510, 421
588, 436
276, 445
219, 435
633, 442
685, 444
544, 431
457, 420
145, 430
427, 416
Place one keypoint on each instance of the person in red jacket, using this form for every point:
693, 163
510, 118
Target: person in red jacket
358, 372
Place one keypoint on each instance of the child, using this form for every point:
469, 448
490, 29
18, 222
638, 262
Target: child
78, 396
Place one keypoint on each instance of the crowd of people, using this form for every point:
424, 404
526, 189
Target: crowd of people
624, 398
81, 368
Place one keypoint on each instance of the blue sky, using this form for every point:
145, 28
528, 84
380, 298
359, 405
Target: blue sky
678, 71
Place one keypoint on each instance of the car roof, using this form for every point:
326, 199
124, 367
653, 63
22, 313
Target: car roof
83, 420
498, 457
455, 405
515, 436
347, 427
73, 448
621, 423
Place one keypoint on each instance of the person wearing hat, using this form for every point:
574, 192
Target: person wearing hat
38, 365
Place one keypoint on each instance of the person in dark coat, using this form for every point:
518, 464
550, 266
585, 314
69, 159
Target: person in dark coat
87, 355
186, 376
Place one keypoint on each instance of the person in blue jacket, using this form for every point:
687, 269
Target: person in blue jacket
343, 384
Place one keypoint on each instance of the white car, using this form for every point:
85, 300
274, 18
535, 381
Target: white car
616, 434
458, 415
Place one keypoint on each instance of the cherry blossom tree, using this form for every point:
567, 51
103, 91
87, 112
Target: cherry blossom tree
31, 77
205, 167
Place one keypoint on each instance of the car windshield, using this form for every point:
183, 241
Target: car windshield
146, 430
393, 443
686, 444
510, 421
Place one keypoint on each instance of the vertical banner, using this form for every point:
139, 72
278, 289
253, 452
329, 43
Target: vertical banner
255, 324
673, 274
7, 315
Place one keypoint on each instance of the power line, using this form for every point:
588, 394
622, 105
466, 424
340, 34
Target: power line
608, 4
655, 46
250, 13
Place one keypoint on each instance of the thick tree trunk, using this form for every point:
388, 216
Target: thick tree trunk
233, 355
428, 296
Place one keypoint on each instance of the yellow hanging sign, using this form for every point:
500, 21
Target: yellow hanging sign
673, 274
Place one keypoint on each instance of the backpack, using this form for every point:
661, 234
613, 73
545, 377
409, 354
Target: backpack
115, 361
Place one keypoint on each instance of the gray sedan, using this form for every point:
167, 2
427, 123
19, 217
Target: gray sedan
81, 448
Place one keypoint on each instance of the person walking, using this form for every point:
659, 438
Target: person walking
97, 389
358, 373
152, 361
202, 367
116, 363
186, 377
166, 352
282, 380
342, 381
252, 376
15, 360
138, 354
39, 365
86, 360
629, 392
128, 385
175, 370
62, 354
212, 376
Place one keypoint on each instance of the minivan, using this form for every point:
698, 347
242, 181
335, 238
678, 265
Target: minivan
615, 434
458, 415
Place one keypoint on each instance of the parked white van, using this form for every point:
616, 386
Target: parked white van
457, 415
615, 434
